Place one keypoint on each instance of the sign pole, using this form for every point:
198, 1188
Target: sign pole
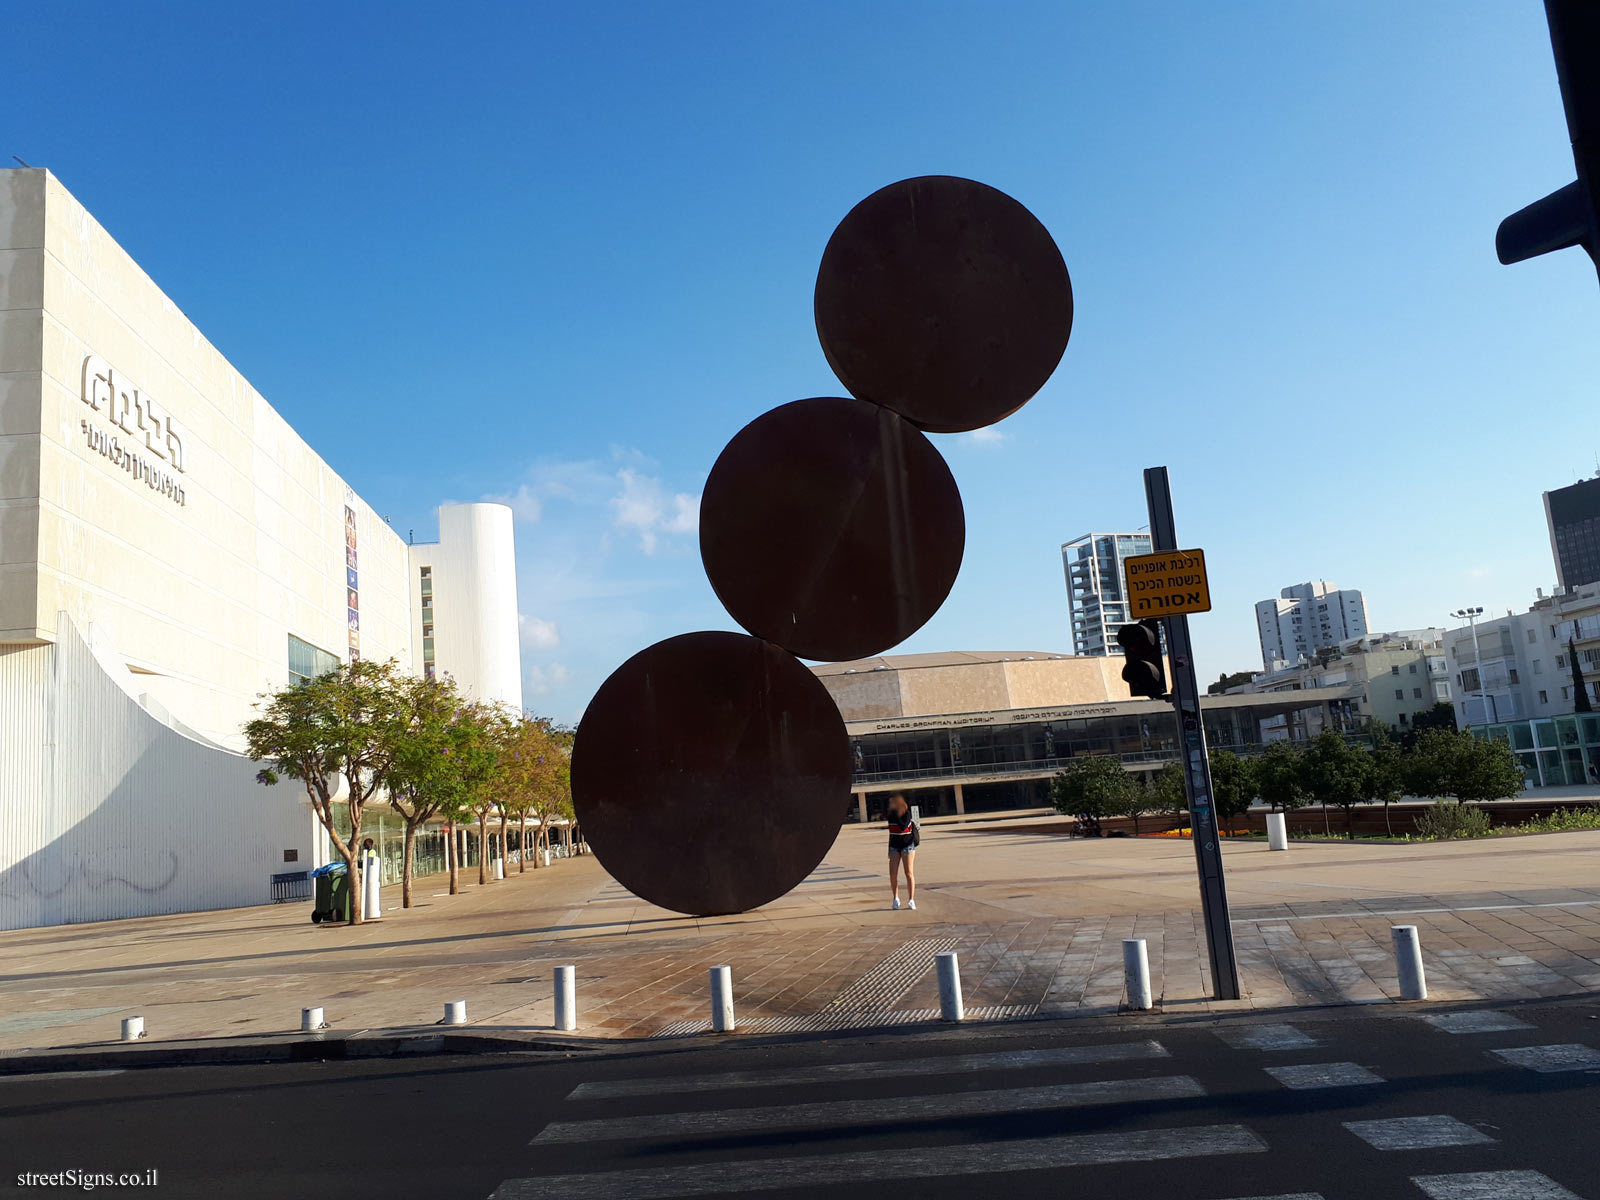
1196, 766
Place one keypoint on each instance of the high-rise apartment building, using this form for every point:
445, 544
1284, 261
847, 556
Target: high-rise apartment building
1305, 618
1573, 515
1096, 596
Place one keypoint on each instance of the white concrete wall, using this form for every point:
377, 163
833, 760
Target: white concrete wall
476, 637
198, 597
106, 813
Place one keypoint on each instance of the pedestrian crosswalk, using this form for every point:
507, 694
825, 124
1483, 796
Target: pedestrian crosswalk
1007, 1115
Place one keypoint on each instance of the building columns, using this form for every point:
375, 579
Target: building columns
961, 800
861, 806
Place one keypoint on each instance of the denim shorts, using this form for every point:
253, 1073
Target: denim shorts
902, 850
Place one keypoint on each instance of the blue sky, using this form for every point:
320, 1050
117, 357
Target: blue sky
561, 253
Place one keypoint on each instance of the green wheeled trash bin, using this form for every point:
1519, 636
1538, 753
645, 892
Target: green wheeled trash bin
332, 899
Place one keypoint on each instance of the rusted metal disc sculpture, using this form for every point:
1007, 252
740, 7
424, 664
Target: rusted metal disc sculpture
832, 527
711, 772
723, 775
945, 300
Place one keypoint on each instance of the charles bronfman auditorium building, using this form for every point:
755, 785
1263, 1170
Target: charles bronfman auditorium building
973, 732
169, 550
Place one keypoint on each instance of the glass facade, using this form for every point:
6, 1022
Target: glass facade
428, 668
1554, 752
306, 662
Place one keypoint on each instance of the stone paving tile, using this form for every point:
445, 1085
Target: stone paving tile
250, 970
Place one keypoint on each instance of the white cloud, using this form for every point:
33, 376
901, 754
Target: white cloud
644, 507
524, 504
536, 633
987, 436
541, 681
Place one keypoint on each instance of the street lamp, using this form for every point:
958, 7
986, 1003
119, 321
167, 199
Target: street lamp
1470, 616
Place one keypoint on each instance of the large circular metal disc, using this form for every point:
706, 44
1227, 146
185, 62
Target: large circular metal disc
711, 773
832, 527
945, 300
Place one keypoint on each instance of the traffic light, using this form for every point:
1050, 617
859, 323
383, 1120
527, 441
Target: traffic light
1144, 672
1569, 216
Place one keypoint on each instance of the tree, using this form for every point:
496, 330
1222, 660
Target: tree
1167, 793
1092, 787
1441, 716
1386, 781
343, 725
1580, 690
1334, 770
528, 756
1151, 796
484, 733
1277, 775
1224, 682
1233, 785
425, 774
1448, 763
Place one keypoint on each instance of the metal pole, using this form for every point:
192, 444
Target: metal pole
1196, 766
1477, 658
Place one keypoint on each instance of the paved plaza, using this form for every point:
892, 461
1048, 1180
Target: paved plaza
1036, 917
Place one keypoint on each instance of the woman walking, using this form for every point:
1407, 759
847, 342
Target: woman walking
903, 839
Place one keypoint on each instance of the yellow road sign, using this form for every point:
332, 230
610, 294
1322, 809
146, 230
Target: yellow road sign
1167, 583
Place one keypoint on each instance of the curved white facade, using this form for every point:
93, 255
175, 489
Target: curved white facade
474, 631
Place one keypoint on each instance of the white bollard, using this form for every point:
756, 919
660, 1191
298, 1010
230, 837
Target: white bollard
566, 998
371, 880
547, 856
722, 999
951, 1007
455, 1012
1277, 832
311, 1020
1136, 970
132, 1028
1408, 963
499, 868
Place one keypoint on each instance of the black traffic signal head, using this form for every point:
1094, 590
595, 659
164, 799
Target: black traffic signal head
1144, 672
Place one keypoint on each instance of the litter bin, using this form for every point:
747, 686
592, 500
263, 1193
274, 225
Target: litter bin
332, 899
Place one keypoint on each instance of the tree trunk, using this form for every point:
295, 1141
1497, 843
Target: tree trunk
522, 846
483, 858
538, 836
406, 864
505, 851
353, 853
1350, 821
1386, 824
452, 855
1327, 828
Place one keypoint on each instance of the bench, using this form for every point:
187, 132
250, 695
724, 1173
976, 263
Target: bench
291, 885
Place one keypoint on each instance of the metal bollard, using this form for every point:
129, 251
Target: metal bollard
1136, 970
722, 999
1277, 832
566, 998
132, 1028
951, 1007
1408, 963
311, 1020
455, 1012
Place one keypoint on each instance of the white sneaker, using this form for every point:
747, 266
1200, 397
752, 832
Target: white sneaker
896, 903
912, 905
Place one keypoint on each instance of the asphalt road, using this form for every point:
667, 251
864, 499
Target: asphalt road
1384, 1105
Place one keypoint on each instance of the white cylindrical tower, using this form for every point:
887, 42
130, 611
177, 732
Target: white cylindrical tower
472, 590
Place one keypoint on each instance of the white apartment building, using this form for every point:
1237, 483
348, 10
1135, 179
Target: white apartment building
1305, 618
170, 549
1526, 669
1398, 674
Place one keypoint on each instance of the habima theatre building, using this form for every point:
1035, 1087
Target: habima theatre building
170, 549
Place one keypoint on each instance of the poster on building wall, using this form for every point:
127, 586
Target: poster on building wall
351, 578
